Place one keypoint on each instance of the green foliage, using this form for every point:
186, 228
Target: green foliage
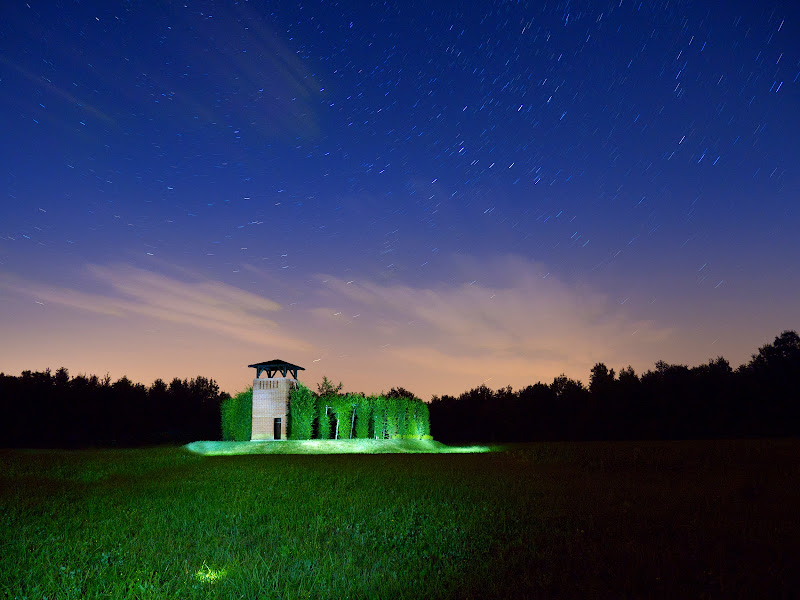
411, 427
410, 420
392, 417
378, 404
324, 417
343, 408
327, 388
423, 421
402, 415
333, 415
237, 417
333, 403
302, 410
341, 415
228, 416
363, 417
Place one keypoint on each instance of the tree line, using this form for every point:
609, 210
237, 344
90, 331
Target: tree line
759, 399
45, 409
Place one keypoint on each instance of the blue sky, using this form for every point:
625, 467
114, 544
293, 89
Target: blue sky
415, 194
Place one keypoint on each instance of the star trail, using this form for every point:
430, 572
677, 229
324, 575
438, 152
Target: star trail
428, 195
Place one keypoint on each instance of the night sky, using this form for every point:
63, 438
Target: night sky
428, 195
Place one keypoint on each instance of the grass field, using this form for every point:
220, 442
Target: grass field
647, 519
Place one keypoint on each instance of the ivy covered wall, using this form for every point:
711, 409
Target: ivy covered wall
335, 416
346, 416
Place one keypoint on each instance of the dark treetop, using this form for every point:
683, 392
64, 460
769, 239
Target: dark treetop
273, 366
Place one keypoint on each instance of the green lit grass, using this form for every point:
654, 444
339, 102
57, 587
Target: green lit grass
330, 447
687, 519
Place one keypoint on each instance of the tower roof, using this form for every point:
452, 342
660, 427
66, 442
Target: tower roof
275, 365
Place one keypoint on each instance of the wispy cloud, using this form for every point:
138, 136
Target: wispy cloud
523, 329
442, 338
210, 305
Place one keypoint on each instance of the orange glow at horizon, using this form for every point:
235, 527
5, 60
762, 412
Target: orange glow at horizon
370, 336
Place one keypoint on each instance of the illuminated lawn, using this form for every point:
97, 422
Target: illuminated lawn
687, 519
330, 447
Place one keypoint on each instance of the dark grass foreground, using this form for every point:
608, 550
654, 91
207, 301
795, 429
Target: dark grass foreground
660, 519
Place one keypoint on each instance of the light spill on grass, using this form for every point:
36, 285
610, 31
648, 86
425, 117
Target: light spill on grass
208, 575
166, 523
358, 446
633, 519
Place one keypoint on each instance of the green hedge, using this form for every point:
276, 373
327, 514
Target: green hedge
302, 410
378, 416
324, 417
363, 417
346, 416
423, 421
237, 417
343, 408
314, 417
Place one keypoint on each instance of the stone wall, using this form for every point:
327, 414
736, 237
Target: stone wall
270, 401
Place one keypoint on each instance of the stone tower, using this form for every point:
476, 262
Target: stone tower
271, 399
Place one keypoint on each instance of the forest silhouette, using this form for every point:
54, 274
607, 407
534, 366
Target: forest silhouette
759, 399
45, 409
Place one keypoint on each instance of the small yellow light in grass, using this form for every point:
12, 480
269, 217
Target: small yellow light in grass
208, 575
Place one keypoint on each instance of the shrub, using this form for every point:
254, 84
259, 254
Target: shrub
323, 417
344, 406
364, 411
423, 421
378, 416
410, 424
392, 417
302, 410
237, 417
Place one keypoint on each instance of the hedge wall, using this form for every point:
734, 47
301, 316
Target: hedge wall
302, 410
323, 418
237, 417
355, 416
333, 417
